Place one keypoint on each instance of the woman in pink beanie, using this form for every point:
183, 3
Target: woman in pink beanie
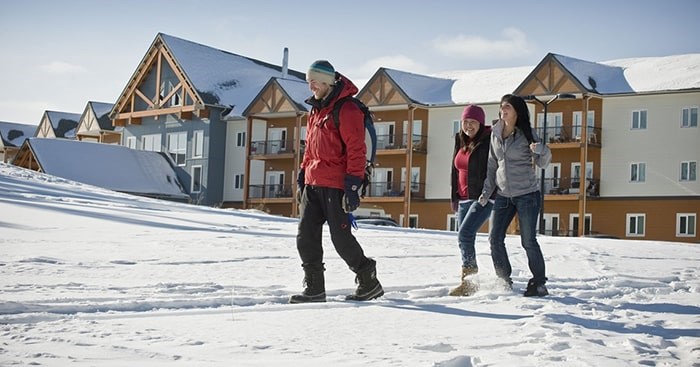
469, 163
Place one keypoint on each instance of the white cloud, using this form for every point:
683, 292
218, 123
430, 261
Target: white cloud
61, 67
513, 43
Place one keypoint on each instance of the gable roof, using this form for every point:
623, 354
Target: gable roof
108, 166
422, 89
101, 111
63, 123
13, 134
280, 96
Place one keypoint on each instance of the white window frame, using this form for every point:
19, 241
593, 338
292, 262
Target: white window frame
415, 179
689, 171
131, 142
554, 124
412, 220
639, 119
238, 181
196, 179
578, 124
689, 117
638, 172
691, 223
151, 142
198, 142
177, 147
240, 139
587, 223
452, 222
636, 232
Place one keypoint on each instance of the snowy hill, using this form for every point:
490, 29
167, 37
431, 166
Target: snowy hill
90, 277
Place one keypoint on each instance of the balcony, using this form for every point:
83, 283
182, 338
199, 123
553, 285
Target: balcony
272, 147
570, 134
390, 189
274, 191
570, 185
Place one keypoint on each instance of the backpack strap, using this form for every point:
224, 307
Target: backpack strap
336, 120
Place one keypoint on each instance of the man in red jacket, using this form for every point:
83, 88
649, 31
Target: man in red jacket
330, 175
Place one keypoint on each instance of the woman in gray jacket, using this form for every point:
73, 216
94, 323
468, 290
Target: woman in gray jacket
511, 173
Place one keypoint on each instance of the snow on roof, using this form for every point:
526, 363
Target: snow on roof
633, 75
63, 123
596, 77
486, 85
102, 110
113, 167
423, 89
13, 134
655, 74
297, 90
222, 78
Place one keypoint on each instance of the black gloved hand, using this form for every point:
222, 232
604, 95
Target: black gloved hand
351, 199
300, 180
300, 186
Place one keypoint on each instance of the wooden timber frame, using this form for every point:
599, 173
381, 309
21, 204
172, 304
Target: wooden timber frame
125, 113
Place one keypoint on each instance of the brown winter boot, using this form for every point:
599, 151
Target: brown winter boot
468, 287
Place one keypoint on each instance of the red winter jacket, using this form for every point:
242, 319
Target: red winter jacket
326, 160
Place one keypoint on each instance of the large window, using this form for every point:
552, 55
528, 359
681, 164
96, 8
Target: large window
685, 224
151, 142
689, 171
638, 172
198, 142
177, 147
635, 225
689, 117
639, 120
196, 185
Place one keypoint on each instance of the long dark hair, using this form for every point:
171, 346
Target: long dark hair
523, 121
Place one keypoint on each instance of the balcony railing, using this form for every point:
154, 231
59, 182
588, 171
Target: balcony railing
271, 147
568, 134
394, 189
570, 185
274, 191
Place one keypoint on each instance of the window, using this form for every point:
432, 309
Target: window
578, 123
456, 127
198, 142
415, 179
177, 147
240, 139
689, 171
196, 185
166, 90
131, 142
638, 172
635, 225
685, 224
238, 181
151, 142
452, 223
639, 120
689, 117
554, 123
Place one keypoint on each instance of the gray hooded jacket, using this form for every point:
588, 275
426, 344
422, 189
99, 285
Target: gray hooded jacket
510, 168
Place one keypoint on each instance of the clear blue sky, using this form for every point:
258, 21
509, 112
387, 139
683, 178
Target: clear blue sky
60, 54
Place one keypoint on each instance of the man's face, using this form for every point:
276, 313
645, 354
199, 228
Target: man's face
320, 90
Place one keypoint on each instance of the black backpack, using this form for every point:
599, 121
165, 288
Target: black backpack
370, 137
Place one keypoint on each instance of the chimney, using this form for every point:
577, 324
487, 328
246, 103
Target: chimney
285, 63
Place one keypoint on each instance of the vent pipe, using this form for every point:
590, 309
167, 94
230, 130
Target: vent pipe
285, 63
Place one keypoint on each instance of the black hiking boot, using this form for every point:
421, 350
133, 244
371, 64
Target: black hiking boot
368, 287
314, 286
535, 290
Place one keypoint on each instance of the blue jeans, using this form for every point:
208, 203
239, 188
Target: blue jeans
471, 217
504, 209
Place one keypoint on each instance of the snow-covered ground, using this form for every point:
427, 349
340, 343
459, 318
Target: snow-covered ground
90, 277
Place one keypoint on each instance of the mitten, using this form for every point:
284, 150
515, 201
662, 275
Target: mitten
351, 199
